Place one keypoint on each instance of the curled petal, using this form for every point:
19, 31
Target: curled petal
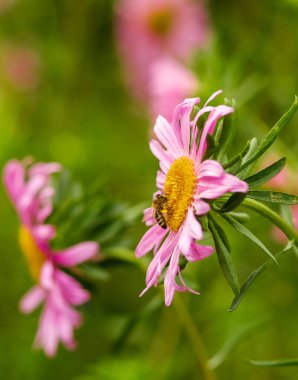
166, 135
14, 177
76, 254
32, 299
148, 216
210, 124
149, 239
198, 252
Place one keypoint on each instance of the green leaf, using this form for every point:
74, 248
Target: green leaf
246, 232
225, 259
271, 215
253, 276
226, 137
274, 363
237, 159
234, 201
222, 235
211, 146
265, 175
273, 197
252, 148
242, 217
272, 135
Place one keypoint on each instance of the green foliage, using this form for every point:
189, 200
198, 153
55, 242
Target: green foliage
266, 174
253, 276
273, 197
274, 363
224, 257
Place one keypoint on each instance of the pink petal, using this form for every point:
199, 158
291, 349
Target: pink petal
13, 177
149, 216
31, 300
182, 115
71, 289
161, 154
210, 124
167, 137
76, 254
44, 168
201, 207
198, 252
213, 96
170, 278
47, 275
210, 168
149, 240
190, 230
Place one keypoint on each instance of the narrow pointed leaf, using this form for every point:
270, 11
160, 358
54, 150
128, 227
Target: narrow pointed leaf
274, 363
211, 146
272, 135
225, 259
253, 276
252, 148
234, 201
265, 175
246, 232
273, 197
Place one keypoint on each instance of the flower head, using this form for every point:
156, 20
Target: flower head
186, 183
31, 192
149, 30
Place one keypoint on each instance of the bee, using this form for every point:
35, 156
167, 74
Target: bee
159, 204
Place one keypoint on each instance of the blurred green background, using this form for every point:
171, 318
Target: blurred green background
78, 112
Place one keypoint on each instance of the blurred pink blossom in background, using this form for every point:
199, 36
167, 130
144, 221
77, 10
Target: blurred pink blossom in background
151, 33
20, 67
170, 82
30, 190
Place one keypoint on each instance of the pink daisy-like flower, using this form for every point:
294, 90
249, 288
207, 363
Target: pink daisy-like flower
148, 30
31, 193
185, 184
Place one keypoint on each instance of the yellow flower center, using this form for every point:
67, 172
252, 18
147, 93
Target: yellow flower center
35, 258
179, 189
160, 22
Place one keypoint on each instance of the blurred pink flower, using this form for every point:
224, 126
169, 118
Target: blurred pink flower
184, 183
20, 67
31, 193
149, 30
170, 82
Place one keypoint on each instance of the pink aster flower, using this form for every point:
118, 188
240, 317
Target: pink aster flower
148, 30
31, 193
185, 184
169, 83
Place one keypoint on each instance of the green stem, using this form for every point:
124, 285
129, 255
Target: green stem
268, 213
194, 338
182, 312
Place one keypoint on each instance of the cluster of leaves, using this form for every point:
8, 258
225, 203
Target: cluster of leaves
258, 200
90, 214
